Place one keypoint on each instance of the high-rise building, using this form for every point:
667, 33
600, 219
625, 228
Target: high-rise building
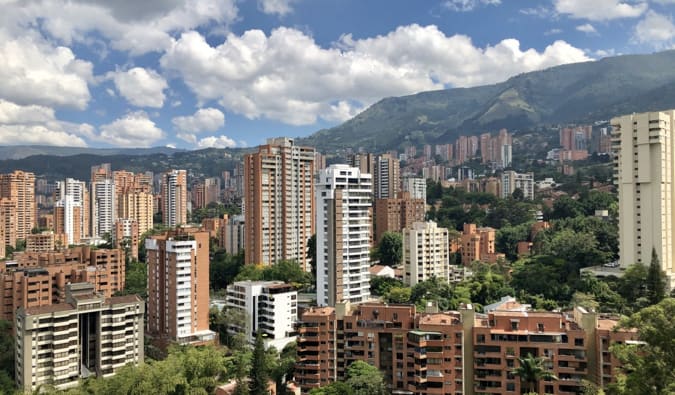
386, 177
125, 236
270, 307
19, 186
174, 198
71, 211
392, 215
103, 207
205, 192
100, 172
416, 186
231, 234
133, 194
425, 253
8, 214
178, 286
512, 181
88, 335
278, 207
644, 146
343, 238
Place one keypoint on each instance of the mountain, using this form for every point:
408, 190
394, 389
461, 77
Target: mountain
579, 92
208, 162
24, 151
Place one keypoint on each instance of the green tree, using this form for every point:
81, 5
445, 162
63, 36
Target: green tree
566, 207
398, 295
507, 239
335, 388
260, 369
136, 281
6, 357
285, 366
380, 285
390, 249
648, 367
224, 268
518, 194
311, 255
530, 370
365, 379
656, 280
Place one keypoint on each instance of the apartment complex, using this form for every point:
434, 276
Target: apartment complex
416, 186
478, 244
231, 234
71, 210
89, 334
455, 352
343, 237
125, 236
512, 181
34, 279
386, 177
134, 198
271, 307
643, 146
425, 253
178, 286
42, 242
205, 192
278, 202
103, 207
19, 188
395, 214
174, 198
496, 150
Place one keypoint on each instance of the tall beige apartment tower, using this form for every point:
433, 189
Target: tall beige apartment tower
644, 172
174, 198
19, 186
178, 286
134, 198
426, 253
386, 177
278, 202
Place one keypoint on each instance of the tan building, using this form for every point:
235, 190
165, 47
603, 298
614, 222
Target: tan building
425, 253
19, 186
231, 234
174, 198
512, 181
205, 192
455, 352
72, 210
395, 214
41, 242
134, 198
644, 146
478, 244
36, 279
7, 223
89, 334
126, 235
278, 202
178, 287
386, 177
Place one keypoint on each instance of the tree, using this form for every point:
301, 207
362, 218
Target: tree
380, 285
398, 295
566, 207
334, 388
656, 280
136, 281
260, 372
648, 367
518, 194
284, 367
311, 255
390, 249
530, 370
6, 357
365, 379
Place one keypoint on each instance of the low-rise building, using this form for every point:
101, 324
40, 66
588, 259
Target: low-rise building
478, 244
87, 335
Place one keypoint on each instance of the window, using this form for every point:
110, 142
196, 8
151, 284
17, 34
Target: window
514, 325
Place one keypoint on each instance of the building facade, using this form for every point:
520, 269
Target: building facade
278, 202
343, 238
416, 186
386, 177
395, 214
19, 187
103, 207
174, 198
87, 335
178, 286
426, 252
512, 181
644, 173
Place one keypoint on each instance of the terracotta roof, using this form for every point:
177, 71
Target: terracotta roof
53, 308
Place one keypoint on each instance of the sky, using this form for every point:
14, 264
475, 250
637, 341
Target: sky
193, 74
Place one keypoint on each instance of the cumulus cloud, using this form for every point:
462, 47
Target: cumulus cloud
286, 76
141, 87
216, 142
203, 120
132, 130
587, 28
137, 27
279, 7
467, 5
655, 28
600, 10
35, 72
35, 124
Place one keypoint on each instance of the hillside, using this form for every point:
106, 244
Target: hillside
24, 151
580, 92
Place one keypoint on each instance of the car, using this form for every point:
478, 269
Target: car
611, 264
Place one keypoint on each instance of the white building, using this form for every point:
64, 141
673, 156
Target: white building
271, 307
103, 207
643, 146
88, 335
426, 253
343, 238
512, 181
416, 186
71, 197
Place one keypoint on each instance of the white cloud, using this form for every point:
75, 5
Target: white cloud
216, 142
655, 28
467, 5
141, 87
587, 28
600, 10
137, 27
204, 120
539, 12
37, 125
132, 130
286, 76
35, 72
552, 32
279, 7
603, 53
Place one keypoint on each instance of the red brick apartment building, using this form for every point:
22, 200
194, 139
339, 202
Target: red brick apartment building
454, 352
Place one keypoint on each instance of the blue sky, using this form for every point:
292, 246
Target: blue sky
228, 73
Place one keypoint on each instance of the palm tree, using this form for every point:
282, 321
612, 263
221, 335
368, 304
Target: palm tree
530, 370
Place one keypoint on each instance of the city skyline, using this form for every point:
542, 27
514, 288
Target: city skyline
202, 73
